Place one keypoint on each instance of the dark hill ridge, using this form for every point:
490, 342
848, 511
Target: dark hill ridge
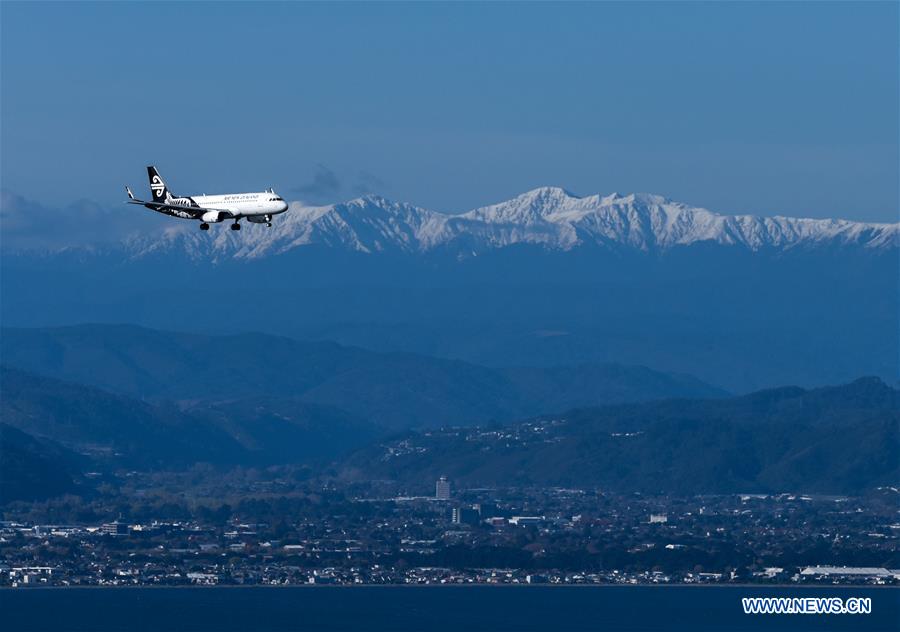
396, 390
285, 430
115, 429
34, 469
92, 421
838, 439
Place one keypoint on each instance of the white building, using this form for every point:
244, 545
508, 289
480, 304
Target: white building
442, 489
846, 571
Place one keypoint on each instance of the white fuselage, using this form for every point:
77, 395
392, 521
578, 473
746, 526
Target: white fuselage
244, 204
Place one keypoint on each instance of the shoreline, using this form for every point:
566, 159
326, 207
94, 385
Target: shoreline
472, 585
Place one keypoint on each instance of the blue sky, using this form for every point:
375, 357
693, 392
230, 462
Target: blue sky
767, 108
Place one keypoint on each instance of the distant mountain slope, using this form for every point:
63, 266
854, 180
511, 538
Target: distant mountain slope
548, 216
118, 430
397, 390
837, 439
286, 430
106, 425
32, 469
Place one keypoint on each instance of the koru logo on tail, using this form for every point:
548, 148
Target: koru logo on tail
158, 186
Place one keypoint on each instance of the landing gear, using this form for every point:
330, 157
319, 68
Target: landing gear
269, 224
204, 226
235, 226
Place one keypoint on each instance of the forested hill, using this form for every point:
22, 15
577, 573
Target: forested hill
839, 439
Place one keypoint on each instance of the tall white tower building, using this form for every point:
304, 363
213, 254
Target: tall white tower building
442, 489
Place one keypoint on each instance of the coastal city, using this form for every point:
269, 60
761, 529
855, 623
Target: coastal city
304, 532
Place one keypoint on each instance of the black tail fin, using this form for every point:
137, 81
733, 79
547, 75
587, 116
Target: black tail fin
157, 186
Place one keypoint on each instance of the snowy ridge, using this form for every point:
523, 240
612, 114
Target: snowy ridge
549, 217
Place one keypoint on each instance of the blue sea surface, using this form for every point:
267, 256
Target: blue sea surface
435, 609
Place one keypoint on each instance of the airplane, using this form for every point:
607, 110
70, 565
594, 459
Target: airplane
212, 209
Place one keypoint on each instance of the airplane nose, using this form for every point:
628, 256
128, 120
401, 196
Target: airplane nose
284, 207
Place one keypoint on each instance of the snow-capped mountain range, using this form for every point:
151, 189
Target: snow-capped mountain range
549, 217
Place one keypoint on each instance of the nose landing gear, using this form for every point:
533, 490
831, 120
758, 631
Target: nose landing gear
204, 226
235, 226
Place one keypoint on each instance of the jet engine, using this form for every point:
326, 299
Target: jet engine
214, 217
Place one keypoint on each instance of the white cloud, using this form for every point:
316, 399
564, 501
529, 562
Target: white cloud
28, 225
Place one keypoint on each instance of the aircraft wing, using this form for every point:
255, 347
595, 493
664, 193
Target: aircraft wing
177, 209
